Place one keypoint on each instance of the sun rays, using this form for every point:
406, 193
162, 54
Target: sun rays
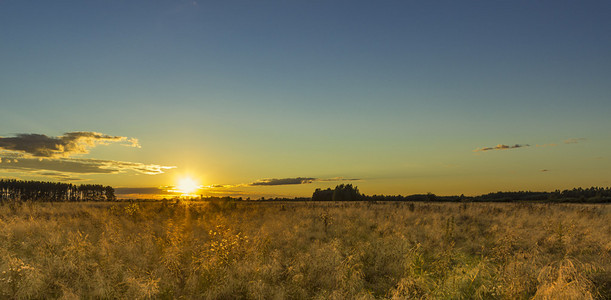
187, 186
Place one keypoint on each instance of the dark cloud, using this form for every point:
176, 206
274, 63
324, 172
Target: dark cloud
575, 141
283, 181
71, 143
545, 170
500, 147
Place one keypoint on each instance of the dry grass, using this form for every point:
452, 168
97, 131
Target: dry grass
305, 251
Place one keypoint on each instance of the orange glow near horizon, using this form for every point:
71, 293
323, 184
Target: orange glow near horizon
188, 186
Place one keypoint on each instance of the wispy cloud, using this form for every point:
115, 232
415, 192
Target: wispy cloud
283, 181
40, 174
501, 147
69, 144
79, 165
221, 186
59, 176
575, 140
295, 180
507, 147
337, 179
545, 170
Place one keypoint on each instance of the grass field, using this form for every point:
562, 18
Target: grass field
228, 250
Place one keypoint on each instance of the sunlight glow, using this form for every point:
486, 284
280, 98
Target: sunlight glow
187, 186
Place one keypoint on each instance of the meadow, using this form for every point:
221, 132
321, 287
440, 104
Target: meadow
304, 250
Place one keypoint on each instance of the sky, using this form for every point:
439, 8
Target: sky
278, 98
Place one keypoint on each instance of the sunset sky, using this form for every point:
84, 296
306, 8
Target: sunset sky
278, 98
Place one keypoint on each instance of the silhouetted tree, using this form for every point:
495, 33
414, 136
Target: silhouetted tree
322, 195
346, 193
342, 192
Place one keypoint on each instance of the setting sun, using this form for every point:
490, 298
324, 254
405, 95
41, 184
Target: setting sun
187, 186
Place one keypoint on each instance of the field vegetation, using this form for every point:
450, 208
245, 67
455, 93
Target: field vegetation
304, 250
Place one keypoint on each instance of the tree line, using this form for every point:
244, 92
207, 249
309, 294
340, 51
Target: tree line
347, 192
20, 190
592, 194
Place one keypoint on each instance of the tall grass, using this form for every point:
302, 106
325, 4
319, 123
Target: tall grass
227, 250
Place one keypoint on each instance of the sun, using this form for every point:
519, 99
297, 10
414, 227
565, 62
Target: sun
187, 186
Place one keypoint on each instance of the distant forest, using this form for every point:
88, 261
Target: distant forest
12, 189
348, 192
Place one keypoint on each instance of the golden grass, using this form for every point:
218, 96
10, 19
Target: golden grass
226, 250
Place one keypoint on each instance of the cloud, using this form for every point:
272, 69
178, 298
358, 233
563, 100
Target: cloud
295, 180
545, 170
501, 147
123, 166
575, 140
58, 176
220, 186
337, 179
39, 174
78, 165
71, 143
41, 155
547, 145
283, 181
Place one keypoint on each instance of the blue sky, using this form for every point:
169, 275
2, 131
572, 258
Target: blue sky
397, 94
